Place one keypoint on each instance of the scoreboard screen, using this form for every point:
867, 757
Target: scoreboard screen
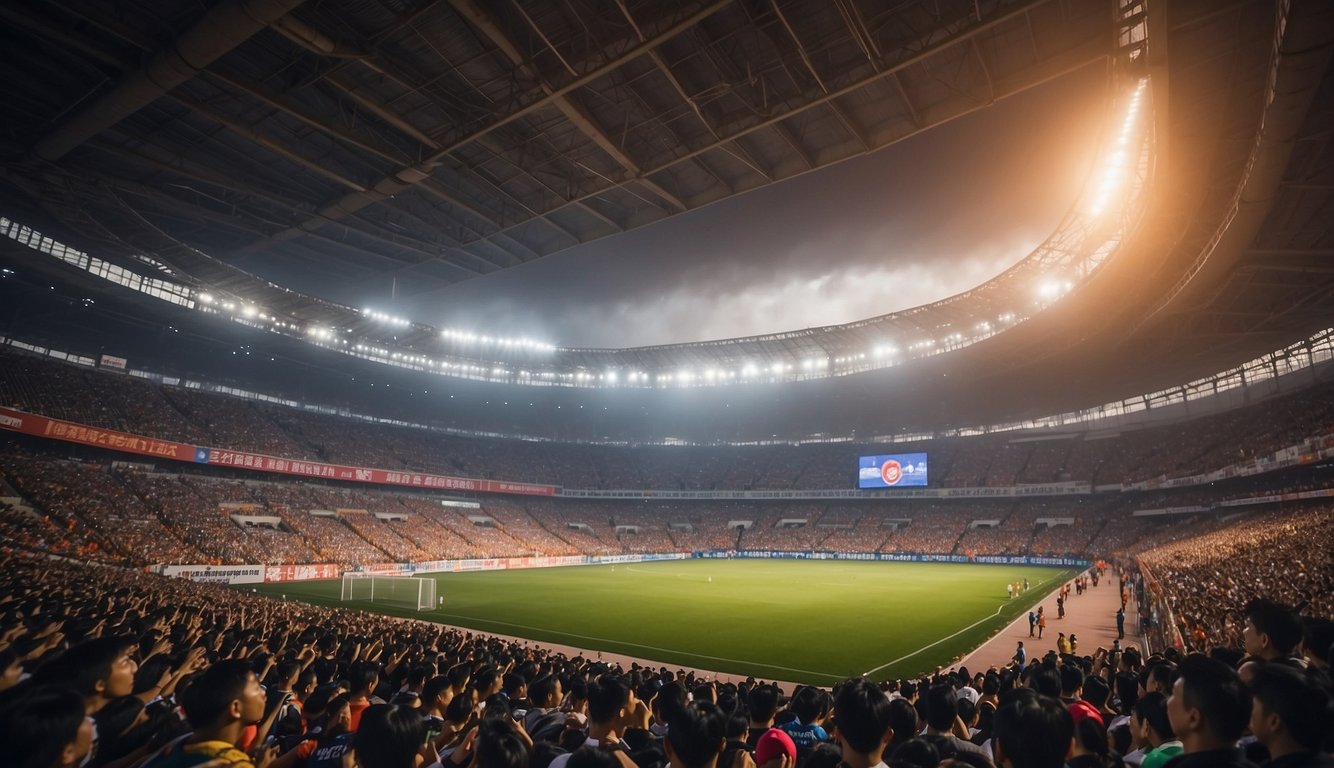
892, 470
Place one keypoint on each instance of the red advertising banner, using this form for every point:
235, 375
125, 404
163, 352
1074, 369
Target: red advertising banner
42, 426
303, 468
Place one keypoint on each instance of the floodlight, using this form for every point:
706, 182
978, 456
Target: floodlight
207, 298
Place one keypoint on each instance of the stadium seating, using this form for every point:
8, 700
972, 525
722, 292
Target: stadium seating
124, 403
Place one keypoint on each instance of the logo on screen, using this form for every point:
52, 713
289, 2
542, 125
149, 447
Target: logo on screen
891, 472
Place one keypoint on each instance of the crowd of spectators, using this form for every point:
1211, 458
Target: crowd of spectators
1206, 579
126, 514
109, 667
91, 514
125, 403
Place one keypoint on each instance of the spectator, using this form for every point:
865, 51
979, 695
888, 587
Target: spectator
862, 727
498, 744
1208, 709
1090, 748
917, 752
390, 737
775, 749
696, 736
807, 729
1072, 688
219, 705
1271, 631
762, 705
611, 706
903, 725
1292, 715
45, 727
544, 719
942, 719
333, 740
1154, 730
101, 669
363, 679
1317, 641
1031, 731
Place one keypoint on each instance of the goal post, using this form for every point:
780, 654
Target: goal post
409, 591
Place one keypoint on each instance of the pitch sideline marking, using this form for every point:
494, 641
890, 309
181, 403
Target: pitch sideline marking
743, 661
999, 608
647, 647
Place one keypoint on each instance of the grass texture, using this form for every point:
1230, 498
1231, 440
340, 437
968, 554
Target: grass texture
805, 621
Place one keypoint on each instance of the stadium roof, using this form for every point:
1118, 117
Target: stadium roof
452, 139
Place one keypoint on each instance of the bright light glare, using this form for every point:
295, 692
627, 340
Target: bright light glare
1114, 174
468, 337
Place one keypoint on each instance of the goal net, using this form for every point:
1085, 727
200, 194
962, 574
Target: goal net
409, 591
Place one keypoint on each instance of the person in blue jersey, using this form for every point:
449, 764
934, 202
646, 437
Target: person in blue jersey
328, 748
811, 706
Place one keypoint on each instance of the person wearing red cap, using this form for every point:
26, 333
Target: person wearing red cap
1072, 686
775, 749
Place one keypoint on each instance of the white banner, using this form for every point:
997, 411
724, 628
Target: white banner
216, 574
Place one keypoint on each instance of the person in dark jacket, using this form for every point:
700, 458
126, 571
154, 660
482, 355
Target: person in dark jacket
1291, 713
1209, 708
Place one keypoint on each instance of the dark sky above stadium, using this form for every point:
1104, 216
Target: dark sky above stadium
912, 223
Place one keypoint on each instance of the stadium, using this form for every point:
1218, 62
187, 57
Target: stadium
782, 383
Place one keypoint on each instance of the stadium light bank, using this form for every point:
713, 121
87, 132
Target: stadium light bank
1089, 235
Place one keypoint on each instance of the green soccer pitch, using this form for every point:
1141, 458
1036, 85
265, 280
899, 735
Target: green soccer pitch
806, 621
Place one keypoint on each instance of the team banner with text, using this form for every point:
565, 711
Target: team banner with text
43, 426
240, 459
216, 574
283, 573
